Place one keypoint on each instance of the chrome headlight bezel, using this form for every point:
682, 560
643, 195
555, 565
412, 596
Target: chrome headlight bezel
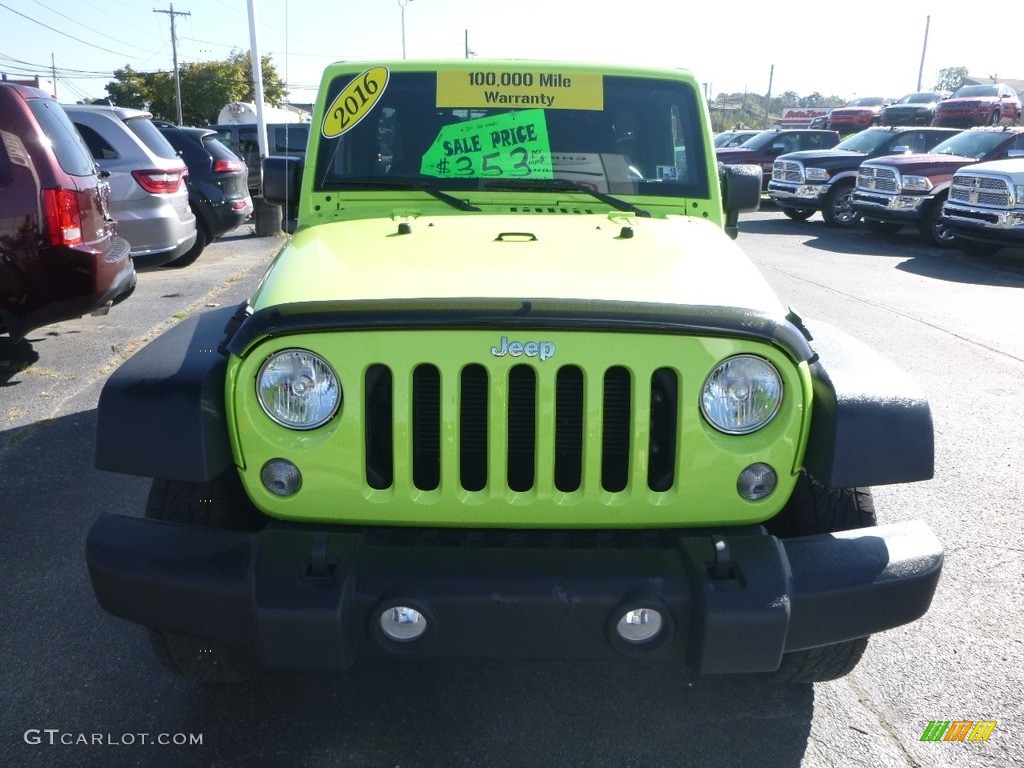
311, 404
741, 395
916, 183
816, 174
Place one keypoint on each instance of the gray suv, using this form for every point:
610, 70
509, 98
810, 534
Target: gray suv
148, 196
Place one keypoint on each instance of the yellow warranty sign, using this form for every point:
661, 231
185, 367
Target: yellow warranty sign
355, 101
520, 88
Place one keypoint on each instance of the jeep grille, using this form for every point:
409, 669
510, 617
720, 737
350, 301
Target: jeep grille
877, 178
522, 397
986, 191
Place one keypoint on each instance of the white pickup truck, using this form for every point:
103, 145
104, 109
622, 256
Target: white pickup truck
985, 208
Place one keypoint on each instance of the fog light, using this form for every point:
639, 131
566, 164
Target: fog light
402, 623
639, 625
756, 482
281, 477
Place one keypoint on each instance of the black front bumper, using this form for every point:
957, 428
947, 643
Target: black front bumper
308, 597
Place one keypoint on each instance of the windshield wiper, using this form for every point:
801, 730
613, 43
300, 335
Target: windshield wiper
547, 185
375, 182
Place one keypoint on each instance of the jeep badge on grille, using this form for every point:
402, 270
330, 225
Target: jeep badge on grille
542, 349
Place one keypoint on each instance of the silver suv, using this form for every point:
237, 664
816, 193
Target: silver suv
148, 196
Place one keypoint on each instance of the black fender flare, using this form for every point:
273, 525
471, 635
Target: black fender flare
870, 423
161, 413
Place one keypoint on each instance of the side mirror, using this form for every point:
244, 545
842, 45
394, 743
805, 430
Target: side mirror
741, 193
901, 149
282, 180
777, 149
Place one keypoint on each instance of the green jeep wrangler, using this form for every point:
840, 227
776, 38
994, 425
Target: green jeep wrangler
511, 391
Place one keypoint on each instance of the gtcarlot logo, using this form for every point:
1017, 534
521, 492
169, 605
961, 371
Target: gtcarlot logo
55, 736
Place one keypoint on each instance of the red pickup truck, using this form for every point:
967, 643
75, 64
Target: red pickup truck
768, 145
899, 190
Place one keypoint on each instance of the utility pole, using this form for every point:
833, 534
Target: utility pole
466, 43
53, 72
402, 4
920, 71
768, 98
174, 53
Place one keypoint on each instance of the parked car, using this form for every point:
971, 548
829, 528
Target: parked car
856, 115
985, 207
217, 182
148, 196
990, 104
763, 148
283, 139
60, 256
823, 180
734, 138
898, 190
913, 109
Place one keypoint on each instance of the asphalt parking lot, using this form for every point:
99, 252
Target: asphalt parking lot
83, 688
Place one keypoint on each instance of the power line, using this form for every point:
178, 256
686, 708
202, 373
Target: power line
76, 39
83, 26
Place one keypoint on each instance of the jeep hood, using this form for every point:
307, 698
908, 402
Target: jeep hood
583, 260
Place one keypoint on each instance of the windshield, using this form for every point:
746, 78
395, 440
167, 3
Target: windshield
919, 98
870, 101
970, 143
453, 131
976, 90
865, 141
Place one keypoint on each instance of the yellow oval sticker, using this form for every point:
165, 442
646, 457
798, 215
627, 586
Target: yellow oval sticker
355, 101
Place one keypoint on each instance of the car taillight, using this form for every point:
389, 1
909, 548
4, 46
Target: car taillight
158, 182
227, 166
63, 217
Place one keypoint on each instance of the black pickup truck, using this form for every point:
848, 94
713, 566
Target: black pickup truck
823, 180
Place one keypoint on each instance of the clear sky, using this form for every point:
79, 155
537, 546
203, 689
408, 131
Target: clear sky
858, 48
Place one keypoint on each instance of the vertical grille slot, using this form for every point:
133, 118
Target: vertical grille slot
569, 429
379, 427
426, 427
664, 421
522, 428
615, 449
473, 428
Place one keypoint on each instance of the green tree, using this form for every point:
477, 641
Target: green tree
206, 86
951, 78
130, 89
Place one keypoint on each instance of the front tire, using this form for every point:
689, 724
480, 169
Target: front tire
203, 239
933, 229
798, 214
220, 503
882, 228
814, 508
837, 207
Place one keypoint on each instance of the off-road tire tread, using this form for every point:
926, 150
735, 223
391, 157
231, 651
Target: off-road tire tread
220, 503
819, 665
814, 508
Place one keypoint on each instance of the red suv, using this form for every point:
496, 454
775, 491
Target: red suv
59, 255
857, 115
990, 104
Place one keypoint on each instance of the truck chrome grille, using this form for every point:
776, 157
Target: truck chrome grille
789, 171
986, 191
499, 434
877, 178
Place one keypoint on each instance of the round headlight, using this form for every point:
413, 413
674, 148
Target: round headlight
741, 395
298, 389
